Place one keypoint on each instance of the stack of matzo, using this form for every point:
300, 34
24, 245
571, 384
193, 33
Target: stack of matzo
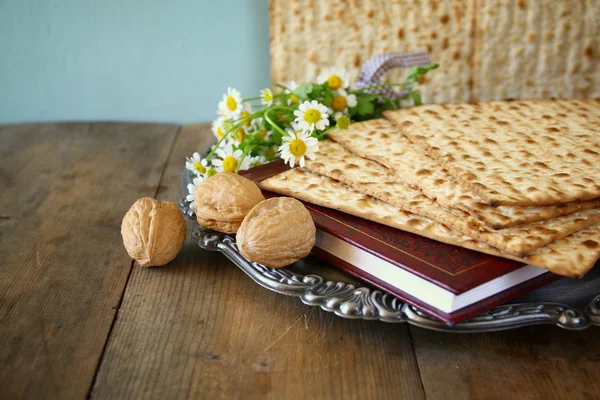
488, 49
519, 180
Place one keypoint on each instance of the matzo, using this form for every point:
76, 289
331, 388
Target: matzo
536, 49
321, 190
368, 177
307, 36
313, 188
570, 256
380, 141
513, 153
487, 49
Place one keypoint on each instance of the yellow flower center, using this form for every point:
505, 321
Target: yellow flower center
312, 116
268, 95
245, 114
335, 82
199, 167
241, 134
220, 132
257, 164
230, 164
263, 133
231, 103
339, 103
297, 147
294, 99
270, 153
343, 122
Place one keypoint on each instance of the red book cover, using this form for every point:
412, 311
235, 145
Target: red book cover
453, 268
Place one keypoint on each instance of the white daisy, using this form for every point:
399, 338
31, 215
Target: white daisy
258, 161
296, 146
211, 171
311, 115
337, 78
261, 134
191, 187
231, 105
228, 126
289, 89
239, 136
266, 97
271, 153
218, 127
258, 129
295, 126
342, 101
256, 124
246, 113
196, 164
342, 121
230, 159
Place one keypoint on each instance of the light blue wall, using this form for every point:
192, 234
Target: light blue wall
128, 60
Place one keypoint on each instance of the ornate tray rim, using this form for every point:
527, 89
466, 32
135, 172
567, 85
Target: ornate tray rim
362, 302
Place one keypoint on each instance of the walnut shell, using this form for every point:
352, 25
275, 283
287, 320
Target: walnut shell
153, 231
223, 200
277, 232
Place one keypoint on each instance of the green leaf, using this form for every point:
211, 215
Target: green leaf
364, 107
276, 136
303, 91
327, 98
389, 103
366, 96
415, 95
422, 70
415, 71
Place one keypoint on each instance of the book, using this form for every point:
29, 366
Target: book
448, 282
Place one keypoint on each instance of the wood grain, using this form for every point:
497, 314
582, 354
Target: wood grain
200, 327
541, 362
65, 188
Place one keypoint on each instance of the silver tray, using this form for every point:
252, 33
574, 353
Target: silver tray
566, 303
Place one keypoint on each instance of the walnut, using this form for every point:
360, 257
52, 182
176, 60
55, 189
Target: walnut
153, 231
223, 200
277, 232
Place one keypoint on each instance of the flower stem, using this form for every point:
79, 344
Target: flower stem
323, 134
270, 121
234, 129
244, 154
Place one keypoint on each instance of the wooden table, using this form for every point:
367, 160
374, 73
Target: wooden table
78, 318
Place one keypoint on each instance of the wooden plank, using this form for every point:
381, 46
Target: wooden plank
200, 328
65, 188
542, 362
